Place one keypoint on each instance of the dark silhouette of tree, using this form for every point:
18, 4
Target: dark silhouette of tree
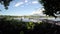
5, 3
52, 7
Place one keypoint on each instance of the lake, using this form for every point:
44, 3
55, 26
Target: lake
37, 20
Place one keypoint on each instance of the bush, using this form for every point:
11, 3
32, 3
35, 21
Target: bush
19, 27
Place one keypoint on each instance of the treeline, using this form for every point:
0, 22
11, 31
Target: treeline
19, 27
10, 16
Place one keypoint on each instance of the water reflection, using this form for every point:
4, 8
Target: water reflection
37, 20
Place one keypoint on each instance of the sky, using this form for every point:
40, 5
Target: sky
22, 7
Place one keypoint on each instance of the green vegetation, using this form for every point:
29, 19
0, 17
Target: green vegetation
9, 16
52, 7
11, 26
18, 27
5, 3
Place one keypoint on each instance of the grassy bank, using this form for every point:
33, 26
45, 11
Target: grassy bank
18, 27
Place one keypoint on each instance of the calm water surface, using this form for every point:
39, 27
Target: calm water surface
36, 20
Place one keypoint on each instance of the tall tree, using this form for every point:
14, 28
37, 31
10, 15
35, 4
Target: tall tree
5, 3
52, 7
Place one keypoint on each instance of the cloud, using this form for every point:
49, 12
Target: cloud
26, 1
22, 6
34, 2
18, 4
39, 12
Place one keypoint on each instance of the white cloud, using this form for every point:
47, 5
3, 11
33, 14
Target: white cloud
18, 4
34, 2
39, 12
26, 1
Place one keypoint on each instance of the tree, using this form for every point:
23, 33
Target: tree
5, 3
52, 7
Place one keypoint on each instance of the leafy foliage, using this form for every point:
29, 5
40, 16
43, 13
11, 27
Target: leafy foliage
5, 3
30, 25
51, 7
18, 27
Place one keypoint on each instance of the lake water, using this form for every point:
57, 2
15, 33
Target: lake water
37, 20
